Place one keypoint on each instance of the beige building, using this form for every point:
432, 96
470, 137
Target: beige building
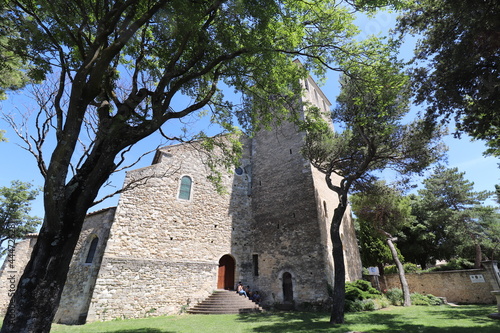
173, 239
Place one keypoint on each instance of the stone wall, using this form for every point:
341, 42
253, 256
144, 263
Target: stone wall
164, 251
78, 290
455, 286
291, 228
136, 288
286, 232
13, 267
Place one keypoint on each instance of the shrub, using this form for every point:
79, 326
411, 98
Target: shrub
361, 296
419, 299
353, 306
361, 305
369, 305
360, 290
408, 267
381, 302
395, 296
453, 264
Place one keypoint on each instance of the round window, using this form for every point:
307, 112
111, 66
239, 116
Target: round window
239, 171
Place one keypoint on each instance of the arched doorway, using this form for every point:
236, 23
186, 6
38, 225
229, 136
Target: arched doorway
287, 287
225, 276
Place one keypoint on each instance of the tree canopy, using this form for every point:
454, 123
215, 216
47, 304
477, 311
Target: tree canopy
15, 205
448, 218
457, 69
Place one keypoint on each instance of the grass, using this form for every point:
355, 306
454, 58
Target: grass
422, 319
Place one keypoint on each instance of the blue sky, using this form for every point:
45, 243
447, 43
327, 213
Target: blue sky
18, 164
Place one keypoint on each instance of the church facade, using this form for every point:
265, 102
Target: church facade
173, 239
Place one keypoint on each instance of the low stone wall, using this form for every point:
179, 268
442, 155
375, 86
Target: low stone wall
464, 286
137, 288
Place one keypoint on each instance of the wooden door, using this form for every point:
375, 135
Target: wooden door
225, 276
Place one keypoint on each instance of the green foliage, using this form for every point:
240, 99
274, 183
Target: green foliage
419, 299
360, 305
453, 264
373, 248
408, 267
15, 205
382, 207
497, 193
463, 88
360, 290
448, 219
221, 152
371, 106
395, 296
353, 306
14, 71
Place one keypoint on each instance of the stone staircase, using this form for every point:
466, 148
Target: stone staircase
225, 302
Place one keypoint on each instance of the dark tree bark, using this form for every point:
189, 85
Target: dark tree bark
35, 302
337, 314
44, 279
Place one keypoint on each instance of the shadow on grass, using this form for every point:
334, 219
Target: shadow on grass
289, 321
142, 330
376, 321
470, 312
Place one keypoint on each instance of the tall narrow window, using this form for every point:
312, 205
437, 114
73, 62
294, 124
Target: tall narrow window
255, 259
185, 188
92, 249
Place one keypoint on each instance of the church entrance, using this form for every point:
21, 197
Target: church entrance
225, 276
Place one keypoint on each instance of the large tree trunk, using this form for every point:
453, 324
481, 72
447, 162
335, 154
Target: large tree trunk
34, 304
401, 272
337, 314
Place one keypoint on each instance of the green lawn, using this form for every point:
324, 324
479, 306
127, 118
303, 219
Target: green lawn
462, 319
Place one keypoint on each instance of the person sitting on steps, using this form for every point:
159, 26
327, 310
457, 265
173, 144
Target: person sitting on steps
241, 289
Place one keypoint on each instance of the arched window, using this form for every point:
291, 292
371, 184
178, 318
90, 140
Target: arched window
185, 188
92, 249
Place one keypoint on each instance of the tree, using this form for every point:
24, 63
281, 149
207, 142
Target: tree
118, 65
417, 242
446, 218
15, 69
467, 87
485, 229
372, 102
15, 205
385, 210
497, 193
373, 249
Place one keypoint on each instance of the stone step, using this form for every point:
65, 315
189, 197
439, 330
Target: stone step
225, 302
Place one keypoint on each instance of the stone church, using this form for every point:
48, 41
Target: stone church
173, 239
